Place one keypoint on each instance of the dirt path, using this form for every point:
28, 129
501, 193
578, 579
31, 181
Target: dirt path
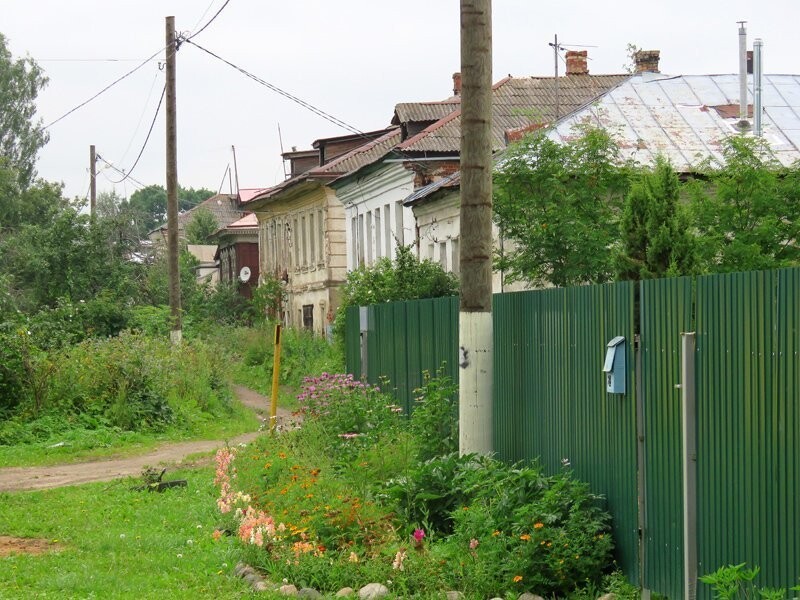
37, 478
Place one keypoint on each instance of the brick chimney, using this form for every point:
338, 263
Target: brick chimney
646, 61
456, 84
576, 62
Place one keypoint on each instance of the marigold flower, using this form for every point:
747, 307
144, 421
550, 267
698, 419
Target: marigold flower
517, 578
538, 525
525, 537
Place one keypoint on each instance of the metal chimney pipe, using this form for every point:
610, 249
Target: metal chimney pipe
743, 124
758, 72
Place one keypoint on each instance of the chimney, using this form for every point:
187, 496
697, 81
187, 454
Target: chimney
576, 62
456, 84
743, 123
646, 61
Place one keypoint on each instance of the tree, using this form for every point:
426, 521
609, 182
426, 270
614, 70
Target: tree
748, 216
559, 206
200, 227
152, 202
656, 240
21, 137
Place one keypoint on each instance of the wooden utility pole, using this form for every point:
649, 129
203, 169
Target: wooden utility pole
92, 180
176, 332
475, 312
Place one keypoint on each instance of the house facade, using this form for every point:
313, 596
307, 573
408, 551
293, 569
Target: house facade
237, 254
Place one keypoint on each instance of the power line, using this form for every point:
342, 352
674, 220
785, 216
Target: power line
120, 171
141, 116
105, 89
211, 20
147, 139
276, 89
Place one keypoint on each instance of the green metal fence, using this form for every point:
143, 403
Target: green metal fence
550, 404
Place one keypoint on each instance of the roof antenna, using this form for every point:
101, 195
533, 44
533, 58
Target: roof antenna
235, 169
283, 160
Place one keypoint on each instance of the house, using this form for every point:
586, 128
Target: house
237, 254
225, 208
685, 118
206, 270
301, 225
382, 201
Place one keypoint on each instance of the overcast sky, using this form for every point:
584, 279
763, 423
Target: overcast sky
354, 59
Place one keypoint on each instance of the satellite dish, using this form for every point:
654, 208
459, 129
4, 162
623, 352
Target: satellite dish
244, 274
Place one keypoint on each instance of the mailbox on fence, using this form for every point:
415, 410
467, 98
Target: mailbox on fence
614, 367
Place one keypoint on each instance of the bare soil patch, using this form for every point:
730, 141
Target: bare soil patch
15, 545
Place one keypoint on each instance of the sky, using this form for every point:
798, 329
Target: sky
353, 59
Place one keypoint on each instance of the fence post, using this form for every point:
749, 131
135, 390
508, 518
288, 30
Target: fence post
640, 459
689, 459
363, 328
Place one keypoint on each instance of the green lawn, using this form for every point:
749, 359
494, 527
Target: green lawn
118, 543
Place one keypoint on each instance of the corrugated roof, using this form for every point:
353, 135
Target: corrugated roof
249, 220
406, 112
517, 102
247, 194
684, 118
450, 182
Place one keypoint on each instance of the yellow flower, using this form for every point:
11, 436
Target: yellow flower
495, 533
517, 578
525, 537
538, 525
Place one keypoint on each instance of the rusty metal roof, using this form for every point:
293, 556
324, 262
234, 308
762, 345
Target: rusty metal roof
452, 181
685, 118
517, 102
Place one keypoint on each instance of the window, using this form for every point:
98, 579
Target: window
387, 230
368, 238
378, 234
360, 240
312, 240
308, 317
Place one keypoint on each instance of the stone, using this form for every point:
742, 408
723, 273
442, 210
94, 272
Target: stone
373, 591
529, 596
345, 592
454, 596
309, 593
260, 586
609, 596
288, 590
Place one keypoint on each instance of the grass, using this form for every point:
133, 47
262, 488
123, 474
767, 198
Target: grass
119, 543
80, 445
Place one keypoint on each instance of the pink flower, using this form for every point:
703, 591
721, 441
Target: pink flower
419, 535
473, 543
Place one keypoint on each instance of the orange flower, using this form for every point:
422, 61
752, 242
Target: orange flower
525, 537
517, 578
495, 533
538, 525
281, 454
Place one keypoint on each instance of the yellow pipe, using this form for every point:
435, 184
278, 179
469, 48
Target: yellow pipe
276, 370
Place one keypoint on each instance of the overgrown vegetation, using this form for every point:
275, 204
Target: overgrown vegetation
346, 500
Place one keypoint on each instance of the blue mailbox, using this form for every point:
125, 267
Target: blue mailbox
614, 367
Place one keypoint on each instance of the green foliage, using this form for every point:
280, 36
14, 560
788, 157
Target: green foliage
151, 203
434, 418
21, 137
748, 218
269, 298
559, 205
200, 227
655, 234
733, 582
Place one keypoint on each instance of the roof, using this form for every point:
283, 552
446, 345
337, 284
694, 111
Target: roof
247, 221
342, 165
202, 252
247, 194
652, 114
224, 207
406, 112
451, 182
517, 102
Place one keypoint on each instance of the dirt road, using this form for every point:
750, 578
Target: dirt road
37, 478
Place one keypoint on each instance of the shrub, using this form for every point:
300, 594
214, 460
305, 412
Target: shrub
434, 419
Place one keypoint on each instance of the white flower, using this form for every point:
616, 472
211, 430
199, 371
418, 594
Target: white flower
189, 542
180, 555
122, 536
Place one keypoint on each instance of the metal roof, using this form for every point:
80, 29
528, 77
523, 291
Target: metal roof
685, 118
517, 102
452, 181
406, 112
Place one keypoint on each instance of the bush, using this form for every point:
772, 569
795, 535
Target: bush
434, 420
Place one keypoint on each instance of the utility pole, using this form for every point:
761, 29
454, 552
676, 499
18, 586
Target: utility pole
475, 311
176, 332
92, 180
556, 48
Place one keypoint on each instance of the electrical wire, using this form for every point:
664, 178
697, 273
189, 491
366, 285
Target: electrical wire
211, 20
121, 172
317, 111
141, 116
147, 139
105, 89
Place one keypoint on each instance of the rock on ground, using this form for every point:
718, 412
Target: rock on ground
373, 591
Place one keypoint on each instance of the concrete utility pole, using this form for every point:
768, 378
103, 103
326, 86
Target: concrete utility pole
475, 313
176, 333
92, 180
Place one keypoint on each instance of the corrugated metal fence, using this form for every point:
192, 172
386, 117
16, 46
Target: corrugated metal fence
550, 403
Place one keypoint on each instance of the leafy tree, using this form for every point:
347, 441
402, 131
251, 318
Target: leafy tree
152, 202
35, 203
200, 227
749, 215
21, 137
559, 206
655, 234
